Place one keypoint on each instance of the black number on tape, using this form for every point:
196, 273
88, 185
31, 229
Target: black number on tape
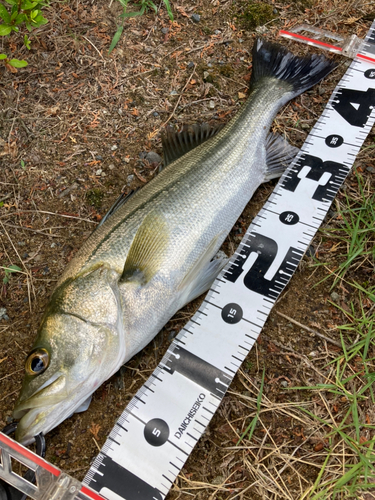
255, 280
317, 169
355, 106
156, 432
232, 313
197, 370
370, 73
289, 218
334, 141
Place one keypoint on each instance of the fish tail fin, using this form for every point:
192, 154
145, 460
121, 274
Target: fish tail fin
271, 60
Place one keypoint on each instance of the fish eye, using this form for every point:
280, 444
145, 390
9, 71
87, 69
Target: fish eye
37, 361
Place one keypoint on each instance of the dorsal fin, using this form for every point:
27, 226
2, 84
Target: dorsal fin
176, 144
123, 198
147, 249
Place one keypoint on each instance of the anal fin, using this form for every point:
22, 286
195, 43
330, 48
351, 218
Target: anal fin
199, 279
279, 155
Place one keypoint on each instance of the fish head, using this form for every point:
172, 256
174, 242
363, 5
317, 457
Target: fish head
69, 360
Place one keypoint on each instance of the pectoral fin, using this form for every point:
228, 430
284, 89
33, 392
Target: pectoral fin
84, 405
147, 249
200, 277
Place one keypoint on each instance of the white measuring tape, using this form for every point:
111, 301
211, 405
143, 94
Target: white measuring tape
159, 428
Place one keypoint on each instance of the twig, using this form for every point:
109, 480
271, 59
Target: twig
178, 100
90, 42
5, 197
309, 329
30, 229
208, 44
45, 212
28, 274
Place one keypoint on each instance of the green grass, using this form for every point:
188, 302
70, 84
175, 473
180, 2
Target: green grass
144, 6
350, 387
347, 394
355, 230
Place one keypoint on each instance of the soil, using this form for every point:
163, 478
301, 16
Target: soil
76, 124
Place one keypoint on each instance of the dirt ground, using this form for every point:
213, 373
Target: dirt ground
76, 124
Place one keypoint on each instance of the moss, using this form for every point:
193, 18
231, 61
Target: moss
255, 14
226, 70
95, 197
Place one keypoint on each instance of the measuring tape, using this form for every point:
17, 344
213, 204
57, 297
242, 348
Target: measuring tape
159, 428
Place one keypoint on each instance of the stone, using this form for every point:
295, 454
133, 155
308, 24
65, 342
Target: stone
335, 296
153, 157
3, 314
114, 147
190, 65
165, 31
196, 18
130, 179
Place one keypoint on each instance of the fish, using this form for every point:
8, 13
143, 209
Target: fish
155, 250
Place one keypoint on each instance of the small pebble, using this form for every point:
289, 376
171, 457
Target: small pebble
335, 296
153, 157
240, 40
211, 104
53, 245
130, 178
284, 383
174, 92
98, 157
127, 160
370, 169
25, 255
209, 65
196, 18
156, 114
165, 31
217, 32
190, 65
143, 155
111, 166
114, 147
99, 172
21, 243
3, 314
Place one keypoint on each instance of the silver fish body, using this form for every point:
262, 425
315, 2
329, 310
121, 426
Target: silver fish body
153, 254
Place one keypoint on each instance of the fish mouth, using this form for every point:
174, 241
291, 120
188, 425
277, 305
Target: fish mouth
36, 411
